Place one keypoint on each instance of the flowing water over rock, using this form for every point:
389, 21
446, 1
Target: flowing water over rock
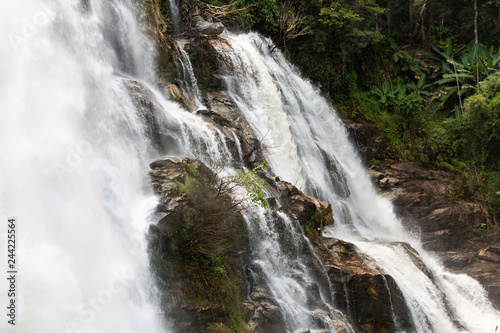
79, 123
188, 79
74, 153
309, 145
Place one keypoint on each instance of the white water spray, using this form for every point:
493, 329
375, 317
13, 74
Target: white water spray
187, 77
73, 158
310, 146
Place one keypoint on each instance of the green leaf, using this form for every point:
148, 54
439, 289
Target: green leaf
421, 82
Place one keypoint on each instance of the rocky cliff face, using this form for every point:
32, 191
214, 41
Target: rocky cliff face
362, 290
438, 205
211, 284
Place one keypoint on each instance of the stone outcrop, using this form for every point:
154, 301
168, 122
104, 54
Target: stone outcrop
164, 133
370, 140
262, 311
312, 214
222, 112
204, 27
202, 24
437, 203
362, 290
184, 187
440, 206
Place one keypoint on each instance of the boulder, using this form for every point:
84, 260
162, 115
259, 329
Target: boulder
312, 214
362, 289
207, 28
180, 95
441, 207
162, 131
240, 137
202, 25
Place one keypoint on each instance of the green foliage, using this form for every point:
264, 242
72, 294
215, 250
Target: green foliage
314, 223
264, 13
483, 120
409, 115
259, 14
384, 92
362, 104
479, 229
200, 249
254, 186
493, 195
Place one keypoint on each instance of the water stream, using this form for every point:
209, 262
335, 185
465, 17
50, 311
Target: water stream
308, 145
74, 155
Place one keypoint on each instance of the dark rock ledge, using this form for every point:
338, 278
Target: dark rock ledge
361, 289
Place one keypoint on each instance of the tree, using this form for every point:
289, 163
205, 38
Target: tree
410, 11
476, 37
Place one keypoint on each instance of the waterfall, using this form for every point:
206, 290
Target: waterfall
308, 145
187, 77
74, 154
175, 15
75, 150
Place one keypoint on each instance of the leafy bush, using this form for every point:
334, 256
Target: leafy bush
483, 120
254, 185
493, 192
199, 252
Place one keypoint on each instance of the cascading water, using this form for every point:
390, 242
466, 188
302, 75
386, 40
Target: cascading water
175, 15
295, 276
308, 145
187, 77
74, 153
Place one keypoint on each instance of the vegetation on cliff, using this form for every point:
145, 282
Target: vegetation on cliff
416, 68
434, 98
196, 244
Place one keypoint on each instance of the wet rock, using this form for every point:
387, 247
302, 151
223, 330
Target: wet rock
440, 206
388, 182
436, 203
203, 26
266, 315
362, 289
370, 139
207, 28
303, 330
490, 253
162, 131
222, 112
180, 95
312, 214
146, 106
456, 260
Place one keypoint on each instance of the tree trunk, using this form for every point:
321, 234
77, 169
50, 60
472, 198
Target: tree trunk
410, 11
422, 20
476, 37
498, 22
